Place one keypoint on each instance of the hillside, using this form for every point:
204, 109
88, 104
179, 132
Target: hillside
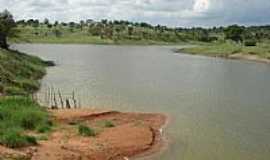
19, 73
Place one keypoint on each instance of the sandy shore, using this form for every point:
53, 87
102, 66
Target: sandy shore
132, 135
249, 57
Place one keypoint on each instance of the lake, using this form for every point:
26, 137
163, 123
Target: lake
219, 109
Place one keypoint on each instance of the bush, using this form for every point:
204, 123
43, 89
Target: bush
31, 140
29, 85
14, 91
13, 139
250, 43
30, 120
43, 128
86, 131
109, 124
1, 87
20, 114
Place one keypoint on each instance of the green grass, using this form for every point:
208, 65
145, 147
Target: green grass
19, 73
86, 131
42, 34
13, 139
109, 124
18, 115
75, 38
226, 49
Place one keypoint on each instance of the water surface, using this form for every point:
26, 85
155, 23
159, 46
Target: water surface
219, 109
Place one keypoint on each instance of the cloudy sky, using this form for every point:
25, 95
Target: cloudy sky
166, 12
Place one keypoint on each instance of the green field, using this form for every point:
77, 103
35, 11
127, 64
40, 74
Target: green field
66, 35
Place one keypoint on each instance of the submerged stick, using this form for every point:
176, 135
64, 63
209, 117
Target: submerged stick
61, 99
55, 101
68, 104
74, 100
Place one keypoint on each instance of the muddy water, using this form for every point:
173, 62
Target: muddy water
219, 109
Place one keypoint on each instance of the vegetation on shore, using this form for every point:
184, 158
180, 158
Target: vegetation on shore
19, 115
237, 40
86, 131
20, 73
91, 32
262, 50
215, 41
19, 77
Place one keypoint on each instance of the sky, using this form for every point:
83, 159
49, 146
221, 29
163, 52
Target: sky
180, 13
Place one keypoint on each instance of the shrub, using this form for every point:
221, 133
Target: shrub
31, 140
31, 120
29, 85
43, 128
13, 139
86, 131
109, 124
14, 91
20, 114
250, 43
237, 50
42, 138
1, 87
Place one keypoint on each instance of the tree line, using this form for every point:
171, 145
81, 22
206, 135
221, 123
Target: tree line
125, 30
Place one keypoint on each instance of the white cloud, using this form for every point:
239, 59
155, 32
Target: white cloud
201, 5
169, 12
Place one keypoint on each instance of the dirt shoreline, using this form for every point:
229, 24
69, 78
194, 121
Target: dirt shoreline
133, 134
236, 56
249, 57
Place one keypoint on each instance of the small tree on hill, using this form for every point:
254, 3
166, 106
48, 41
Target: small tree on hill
82, 23
46, 21
7, 28
234, 33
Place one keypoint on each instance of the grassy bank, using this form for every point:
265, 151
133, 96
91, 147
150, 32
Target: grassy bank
103, 34
19, 116
19, 73
84, 39
262, 50
76, 38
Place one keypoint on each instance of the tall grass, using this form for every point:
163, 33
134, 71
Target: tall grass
20, 114
19, 73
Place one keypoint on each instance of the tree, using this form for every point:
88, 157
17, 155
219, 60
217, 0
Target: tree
130, 30
35, 23
64, 24
57, 32
82, 23
21, 22
71, 26
104, 21
49, 26
7, 28
30, 22
108, 31
46, 21
56, 23
234, 33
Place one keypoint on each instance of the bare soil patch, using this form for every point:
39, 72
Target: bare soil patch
130, 135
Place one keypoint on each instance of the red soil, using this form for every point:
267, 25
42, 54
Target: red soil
133, 134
